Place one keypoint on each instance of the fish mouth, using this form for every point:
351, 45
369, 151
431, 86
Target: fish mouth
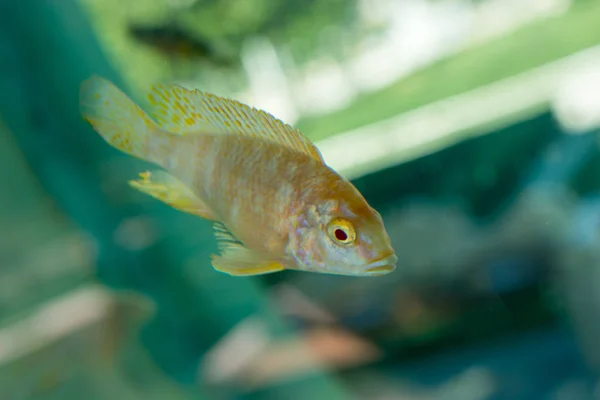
383, 265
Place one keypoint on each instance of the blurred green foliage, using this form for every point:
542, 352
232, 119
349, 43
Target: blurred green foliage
30, 220
298, 27
532, 46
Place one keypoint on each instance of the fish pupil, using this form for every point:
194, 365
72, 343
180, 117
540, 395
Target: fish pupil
341, 235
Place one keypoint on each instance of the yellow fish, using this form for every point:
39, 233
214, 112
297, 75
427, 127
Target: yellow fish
275, 203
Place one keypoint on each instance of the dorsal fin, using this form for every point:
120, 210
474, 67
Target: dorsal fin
184, 111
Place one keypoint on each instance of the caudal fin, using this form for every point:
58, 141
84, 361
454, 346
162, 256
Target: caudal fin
121, 122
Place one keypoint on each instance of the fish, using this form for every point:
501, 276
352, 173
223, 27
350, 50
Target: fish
174, 41
273, 201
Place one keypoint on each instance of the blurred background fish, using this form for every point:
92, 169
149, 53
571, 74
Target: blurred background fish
176, 43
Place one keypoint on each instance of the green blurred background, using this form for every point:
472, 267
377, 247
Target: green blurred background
470, 124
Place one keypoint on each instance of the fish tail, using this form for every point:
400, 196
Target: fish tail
121, 122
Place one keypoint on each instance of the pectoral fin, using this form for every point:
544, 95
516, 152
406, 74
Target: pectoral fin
238, 260
168, 189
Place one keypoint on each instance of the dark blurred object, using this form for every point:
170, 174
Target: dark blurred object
175, 42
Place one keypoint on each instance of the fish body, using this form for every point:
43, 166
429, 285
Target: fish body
274, 202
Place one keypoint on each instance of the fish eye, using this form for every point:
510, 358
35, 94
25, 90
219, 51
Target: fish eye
341, 231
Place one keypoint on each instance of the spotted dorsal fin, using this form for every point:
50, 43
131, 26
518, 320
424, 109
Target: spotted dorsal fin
184, 111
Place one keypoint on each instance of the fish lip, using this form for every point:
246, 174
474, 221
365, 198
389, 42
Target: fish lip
383, 265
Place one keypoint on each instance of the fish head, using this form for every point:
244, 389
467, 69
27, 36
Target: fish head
336, 237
